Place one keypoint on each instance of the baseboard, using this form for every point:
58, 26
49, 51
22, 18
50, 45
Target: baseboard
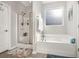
34, 52
12, 47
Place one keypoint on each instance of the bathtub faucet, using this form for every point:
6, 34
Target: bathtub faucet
43, 37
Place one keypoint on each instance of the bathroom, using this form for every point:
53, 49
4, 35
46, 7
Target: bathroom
31, 25
56, 28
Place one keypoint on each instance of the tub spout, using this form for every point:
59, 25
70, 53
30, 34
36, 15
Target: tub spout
42, 37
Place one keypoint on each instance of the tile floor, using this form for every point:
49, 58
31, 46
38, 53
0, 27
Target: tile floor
38, 55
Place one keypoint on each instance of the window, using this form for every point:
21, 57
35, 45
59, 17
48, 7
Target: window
54, 16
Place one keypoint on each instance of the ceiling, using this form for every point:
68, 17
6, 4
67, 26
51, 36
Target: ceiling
46, 2
26, 3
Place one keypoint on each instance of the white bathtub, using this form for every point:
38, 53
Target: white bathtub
57, 45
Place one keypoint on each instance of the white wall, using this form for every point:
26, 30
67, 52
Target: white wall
77, 29
55, 29
72, 24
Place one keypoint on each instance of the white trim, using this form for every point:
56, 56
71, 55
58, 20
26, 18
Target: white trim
9, 40
12, 47
16, 30
9, 27
77, 52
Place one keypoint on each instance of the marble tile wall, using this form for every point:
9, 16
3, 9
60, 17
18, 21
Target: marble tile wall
25, 27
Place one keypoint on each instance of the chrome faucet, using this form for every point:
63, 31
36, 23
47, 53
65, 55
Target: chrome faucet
43, 36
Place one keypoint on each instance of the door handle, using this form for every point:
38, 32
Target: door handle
6, 30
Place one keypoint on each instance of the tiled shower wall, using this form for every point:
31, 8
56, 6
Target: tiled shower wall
25, 27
